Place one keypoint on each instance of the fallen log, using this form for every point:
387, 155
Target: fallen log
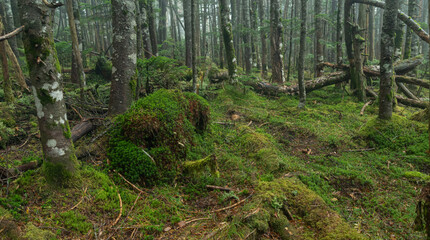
69, 70
411, 102
406, 91
12, 173
400, 68
414, 81
82, 129
273, 90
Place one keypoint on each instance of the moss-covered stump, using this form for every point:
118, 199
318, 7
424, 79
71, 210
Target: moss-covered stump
277, 201
152, 139
399, 133
104, 68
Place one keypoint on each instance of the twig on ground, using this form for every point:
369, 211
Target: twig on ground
361, 150
247, 236
82, 199
76, 111
212, 234
147, 154
226, 189
232, 206
120, 211
131, 184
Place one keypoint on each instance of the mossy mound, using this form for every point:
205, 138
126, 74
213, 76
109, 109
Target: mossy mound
399, 134
282, 197
7, 124
158, 131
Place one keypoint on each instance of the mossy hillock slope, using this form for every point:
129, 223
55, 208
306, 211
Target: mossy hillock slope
151, 140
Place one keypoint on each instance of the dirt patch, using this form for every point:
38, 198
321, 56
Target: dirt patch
348, 187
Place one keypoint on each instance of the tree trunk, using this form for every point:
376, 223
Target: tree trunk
7, 84
78, 75
301, 63
124, 55
246, 36
9, 25
18, 71
60, 164
319, 53
188, 34
290, 50
227, 33
194, 43
276, 43
145, 29
262, 39
162, 21
339, 33
371, 33
386, 93
151, 26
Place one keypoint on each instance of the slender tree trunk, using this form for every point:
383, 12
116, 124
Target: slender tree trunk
10, 25
386, 93
293, 23
371, 33
276, 43
227, 33
145, 29
339, 33
162, 21
124, 55
263, 37
301, 63
188, 33
60, 164
319, 50
151, 25
78, 75
7, 84
194, 43
204, 43
246, 36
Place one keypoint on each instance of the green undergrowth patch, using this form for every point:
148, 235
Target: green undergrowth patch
398, 134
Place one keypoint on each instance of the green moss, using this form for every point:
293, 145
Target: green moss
75, 221
58, 175
66, 130
164, 124
417, 175
399, 133
35, 233
199, 165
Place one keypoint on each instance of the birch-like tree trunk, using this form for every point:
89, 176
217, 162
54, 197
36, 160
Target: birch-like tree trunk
124, 55
227, 34
246, 36
263, 37
276, 42
60, 164
386, 89
319, 53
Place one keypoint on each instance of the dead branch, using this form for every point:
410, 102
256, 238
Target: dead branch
131, 184
232, 206
82, 199
11, 34
364, 107
225, 189
120, 211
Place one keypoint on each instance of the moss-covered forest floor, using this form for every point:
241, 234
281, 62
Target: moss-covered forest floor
325, 172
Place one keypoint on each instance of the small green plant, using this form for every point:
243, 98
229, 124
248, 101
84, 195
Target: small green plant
75, 221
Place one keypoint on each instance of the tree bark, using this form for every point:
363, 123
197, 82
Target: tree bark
246, 36
78, 75
151, 25
227, 34
60, 164
319, 50
162, 21
263, 36
276, 43
302, 87
386, 92
7, 84
18, 71
124, 55
194, 43
188, 33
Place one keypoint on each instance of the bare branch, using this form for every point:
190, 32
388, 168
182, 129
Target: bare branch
11, 34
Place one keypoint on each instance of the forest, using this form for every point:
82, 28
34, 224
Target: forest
214, 119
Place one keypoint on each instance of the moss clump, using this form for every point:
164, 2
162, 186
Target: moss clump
417, 175
164, 124
398, 133
76, 221
35, 233
199, 165
130, 160
66, 130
